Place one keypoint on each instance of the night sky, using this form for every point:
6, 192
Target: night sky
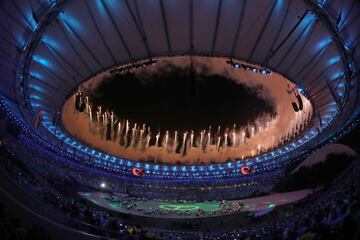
163, 101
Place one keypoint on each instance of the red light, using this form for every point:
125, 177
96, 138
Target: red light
137, 172
38, 119
246, 170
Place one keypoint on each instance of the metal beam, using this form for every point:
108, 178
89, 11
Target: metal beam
191, 26
293, 45
312, 84
60, 65
117, 31
218, 16
301, 50
74, 48
315, 80
9, 34
139, 26
318, 92
83, 43
163, 15
277, 35
338, 81
286, 37
323, 16
333, 93
315, 64
267, 21
353, 21
55, 89
54, 53
22, 14
238, 29
13, 18
56, 78
320, 52
348, 13
99, 32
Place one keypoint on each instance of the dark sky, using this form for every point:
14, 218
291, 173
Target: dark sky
162, 100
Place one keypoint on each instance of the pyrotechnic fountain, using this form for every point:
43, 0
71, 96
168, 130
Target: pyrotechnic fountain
139, 137
114, 129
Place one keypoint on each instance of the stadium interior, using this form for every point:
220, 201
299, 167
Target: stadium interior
180, 119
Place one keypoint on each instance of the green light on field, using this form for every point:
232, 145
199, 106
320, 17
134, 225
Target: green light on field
84, 194
178, 207
115, 205
271, 205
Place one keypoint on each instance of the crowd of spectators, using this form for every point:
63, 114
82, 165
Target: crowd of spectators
11, 228
43, 160
331, 213
79, 215
316, 175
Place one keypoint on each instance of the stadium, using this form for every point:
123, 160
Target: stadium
179, 119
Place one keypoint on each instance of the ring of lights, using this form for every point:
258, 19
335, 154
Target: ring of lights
324, 126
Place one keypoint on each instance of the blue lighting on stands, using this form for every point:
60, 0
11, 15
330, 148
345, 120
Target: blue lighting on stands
337, 75
70, 21
42, 61
321, 3
31, 20
35, 105
50, 42
341, 85
279, 4
52, 2
112, 3
247, 67
347, 46
34, 96
334, 60
101, 7
36, 75
36, 88
322, 44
